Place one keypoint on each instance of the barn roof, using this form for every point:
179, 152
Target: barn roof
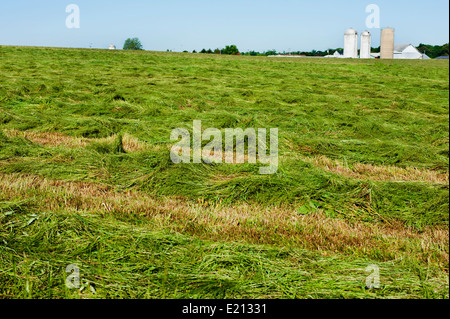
401, 47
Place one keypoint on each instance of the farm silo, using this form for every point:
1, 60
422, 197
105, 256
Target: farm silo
387, 43
351, 43
366, 45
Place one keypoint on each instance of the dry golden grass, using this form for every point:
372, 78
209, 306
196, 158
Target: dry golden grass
249, 223
130, 143
358, 171
49, 138
379, 173
55, 139
245, 222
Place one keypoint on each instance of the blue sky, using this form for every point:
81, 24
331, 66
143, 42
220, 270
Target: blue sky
260, 25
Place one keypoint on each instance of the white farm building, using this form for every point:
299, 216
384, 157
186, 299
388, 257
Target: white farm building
408, 51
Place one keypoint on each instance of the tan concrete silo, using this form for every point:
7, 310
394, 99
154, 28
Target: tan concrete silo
387, 43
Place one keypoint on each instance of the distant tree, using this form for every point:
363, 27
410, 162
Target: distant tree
376, 50
217, 51
270, 52
203, 51
209, 51
445, 50
194, 51
231, 50
132, 44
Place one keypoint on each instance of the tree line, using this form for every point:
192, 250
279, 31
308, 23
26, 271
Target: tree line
233, 50
433, 51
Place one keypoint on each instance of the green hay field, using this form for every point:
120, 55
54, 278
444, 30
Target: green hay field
86, 176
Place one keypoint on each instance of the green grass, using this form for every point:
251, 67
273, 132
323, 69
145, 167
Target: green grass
128, 260
379, 113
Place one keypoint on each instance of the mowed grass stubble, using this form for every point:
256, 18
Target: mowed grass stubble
86, 176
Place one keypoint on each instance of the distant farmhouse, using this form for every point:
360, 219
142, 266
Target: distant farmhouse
388, 48
408, 51
336, 54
